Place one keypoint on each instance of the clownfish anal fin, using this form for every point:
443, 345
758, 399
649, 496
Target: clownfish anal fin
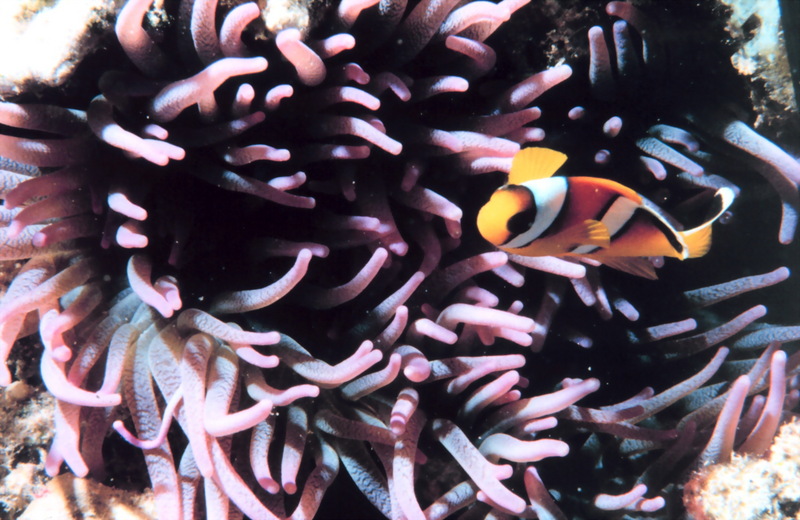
587, 233
535, 163
634, 265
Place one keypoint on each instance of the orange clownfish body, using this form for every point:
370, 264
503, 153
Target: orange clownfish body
536, 214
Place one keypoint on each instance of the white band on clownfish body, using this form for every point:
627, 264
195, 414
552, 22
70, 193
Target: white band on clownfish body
614, 219
549, 196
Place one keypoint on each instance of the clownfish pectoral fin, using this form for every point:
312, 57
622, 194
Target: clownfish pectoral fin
634, 265
535, 163
698, 240
587, 233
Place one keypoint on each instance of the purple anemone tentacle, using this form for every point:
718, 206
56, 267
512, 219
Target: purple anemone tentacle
195, 319
318, 298
685, 346
525, 92
46, 118
720, 446
483, 57
321, 373
203, 30
230, 34
618, 502
244, 301
310, 67
199, 89
760, 438
485, 474
135, 41
418, 28
541, 502
716, 293
101, 121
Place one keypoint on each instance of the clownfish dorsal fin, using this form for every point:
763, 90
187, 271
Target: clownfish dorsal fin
535, 163
587, 233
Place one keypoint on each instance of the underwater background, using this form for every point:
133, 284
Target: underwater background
242, 275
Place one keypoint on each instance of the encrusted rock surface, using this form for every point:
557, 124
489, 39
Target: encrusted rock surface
751, 488
44, 40
26, 429
761, 58
69, 498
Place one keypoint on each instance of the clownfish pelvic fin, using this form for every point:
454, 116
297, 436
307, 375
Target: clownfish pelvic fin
535, 163
698, 240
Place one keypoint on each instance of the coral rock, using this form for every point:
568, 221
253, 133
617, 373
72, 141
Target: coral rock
70, 498
750, 488
56, 36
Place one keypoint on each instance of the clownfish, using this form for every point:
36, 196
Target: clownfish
537, 214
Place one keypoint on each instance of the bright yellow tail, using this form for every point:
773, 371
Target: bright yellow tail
698, 240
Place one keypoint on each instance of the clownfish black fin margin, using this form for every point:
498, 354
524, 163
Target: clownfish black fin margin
698, 240
635, 265
535, 163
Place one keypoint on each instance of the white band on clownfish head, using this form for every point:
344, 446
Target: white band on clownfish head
549, 196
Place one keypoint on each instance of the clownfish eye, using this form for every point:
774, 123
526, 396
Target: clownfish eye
522, 221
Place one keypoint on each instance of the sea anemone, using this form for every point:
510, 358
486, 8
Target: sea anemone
266, 234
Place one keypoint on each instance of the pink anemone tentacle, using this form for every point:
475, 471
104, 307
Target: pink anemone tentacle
244, 301
308, 64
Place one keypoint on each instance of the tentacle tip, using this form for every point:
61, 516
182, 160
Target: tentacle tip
271, 338
39, 240
269, 485
14, 229
612, 8
415, 375
62, 353
120, 428
258, 117
779, 356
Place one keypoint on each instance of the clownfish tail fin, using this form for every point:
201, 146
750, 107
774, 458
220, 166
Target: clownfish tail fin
698, 240
723, 199
535, 163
